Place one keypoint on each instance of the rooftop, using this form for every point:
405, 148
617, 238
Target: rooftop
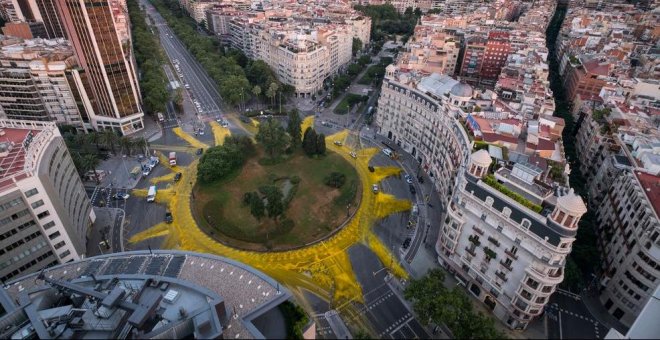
651, 186
20, 145
140, 294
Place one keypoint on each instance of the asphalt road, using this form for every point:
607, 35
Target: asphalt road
569, 318
201, 86
388, 315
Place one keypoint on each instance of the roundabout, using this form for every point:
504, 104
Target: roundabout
322, 268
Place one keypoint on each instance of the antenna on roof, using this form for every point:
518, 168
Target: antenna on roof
150, 252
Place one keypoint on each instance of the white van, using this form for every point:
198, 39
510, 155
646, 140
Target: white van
388, 152
151, 195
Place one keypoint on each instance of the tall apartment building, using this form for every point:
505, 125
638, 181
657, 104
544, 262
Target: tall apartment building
304, 43
101, 41
431, 52
473, 58
508, 254
40, 80
497, 50
629, 234
45, 213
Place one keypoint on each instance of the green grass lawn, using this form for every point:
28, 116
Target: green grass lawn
315, 210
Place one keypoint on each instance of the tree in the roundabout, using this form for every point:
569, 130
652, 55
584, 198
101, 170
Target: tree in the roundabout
273, 137
293, 128
433, 302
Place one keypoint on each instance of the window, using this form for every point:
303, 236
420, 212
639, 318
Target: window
31, 192
59, 245
49, 225
37, 204
43, 214
65, 254
54, 235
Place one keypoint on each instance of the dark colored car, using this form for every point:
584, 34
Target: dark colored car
412, 189
421, 179
406, 243
371, 168
177, 177
168, 217
200, 151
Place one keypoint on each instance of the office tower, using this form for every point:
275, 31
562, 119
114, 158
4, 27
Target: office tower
100, 40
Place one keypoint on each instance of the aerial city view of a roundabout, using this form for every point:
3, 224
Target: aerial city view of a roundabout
281, 221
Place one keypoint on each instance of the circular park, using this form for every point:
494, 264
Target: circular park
280, 191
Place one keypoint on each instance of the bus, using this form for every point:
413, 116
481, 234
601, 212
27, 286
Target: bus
161, 118
151, 195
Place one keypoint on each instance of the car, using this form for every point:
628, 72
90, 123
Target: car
168, 217
353, 154
186, 86
177, 177
118, 196
388, 152
371, 168
406, 243
224, 124
408, 178
374, 188
199, 151
421, 179
412, 189
338, 143
200, 132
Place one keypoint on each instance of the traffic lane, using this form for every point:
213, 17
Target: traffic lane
569, 318
382, 307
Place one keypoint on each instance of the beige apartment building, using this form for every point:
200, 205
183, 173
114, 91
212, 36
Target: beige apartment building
45, 213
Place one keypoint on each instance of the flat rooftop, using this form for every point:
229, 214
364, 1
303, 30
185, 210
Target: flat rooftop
12, 150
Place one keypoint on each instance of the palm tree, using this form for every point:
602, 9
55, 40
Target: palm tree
109, 139
94, 138
257, 91
141, 144
89, 162
272, 91
126, 145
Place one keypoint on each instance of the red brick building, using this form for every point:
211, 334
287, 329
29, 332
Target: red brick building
497, 50
586, 78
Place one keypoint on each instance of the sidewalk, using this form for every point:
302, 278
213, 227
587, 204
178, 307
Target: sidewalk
105, 219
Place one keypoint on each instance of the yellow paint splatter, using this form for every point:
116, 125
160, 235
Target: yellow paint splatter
189, 139
306, 123
219, 133
323, 268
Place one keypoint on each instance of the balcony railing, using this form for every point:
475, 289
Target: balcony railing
507, 266
478, 230
508, 252
470, 251
501, 275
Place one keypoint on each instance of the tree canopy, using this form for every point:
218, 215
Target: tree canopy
273, 137
150, 59
293, 128
219, 161
432, 301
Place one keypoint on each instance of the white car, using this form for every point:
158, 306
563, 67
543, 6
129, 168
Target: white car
388, 152
374, 188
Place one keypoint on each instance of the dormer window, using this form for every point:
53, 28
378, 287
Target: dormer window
526, 223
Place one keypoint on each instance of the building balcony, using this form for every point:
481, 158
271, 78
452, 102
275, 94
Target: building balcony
478, 230
470, 251
512, 255
506, 265
501, 275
